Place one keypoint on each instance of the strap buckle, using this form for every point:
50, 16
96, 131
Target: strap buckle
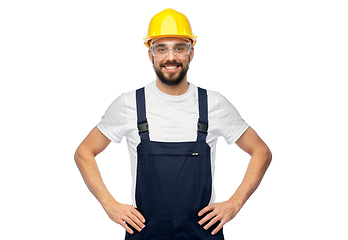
203, 128
143, 127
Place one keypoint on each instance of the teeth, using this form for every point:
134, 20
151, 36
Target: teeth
171, 67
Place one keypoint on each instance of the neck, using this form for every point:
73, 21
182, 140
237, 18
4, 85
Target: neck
179, 89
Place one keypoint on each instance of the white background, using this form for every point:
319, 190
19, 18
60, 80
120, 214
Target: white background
282, 64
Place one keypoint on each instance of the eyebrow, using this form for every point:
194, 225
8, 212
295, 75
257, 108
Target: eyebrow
164, 45
180, 44
160, 45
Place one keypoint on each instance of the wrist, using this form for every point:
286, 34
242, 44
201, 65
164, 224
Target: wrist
236, 202
107, 202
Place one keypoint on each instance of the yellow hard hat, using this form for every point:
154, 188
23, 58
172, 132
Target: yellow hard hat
169, 23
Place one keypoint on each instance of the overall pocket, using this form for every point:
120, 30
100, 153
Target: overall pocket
179, 180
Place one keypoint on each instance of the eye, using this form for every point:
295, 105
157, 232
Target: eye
181, 48
160, 49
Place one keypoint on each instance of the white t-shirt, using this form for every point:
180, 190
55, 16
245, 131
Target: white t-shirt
171, 119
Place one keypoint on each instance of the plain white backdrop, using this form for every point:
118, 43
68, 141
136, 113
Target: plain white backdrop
282, 64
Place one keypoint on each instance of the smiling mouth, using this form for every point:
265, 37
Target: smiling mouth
171, 67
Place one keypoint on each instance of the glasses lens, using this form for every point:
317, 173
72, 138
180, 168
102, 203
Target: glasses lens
162, 49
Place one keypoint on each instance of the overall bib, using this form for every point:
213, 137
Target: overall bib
173, 182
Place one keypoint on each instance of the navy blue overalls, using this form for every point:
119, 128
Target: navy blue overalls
173, 182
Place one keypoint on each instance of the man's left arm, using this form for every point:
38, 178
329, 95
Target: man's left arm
261, 157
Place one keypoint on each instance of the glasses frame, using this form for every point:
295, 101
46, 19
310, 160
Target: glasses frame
153, 54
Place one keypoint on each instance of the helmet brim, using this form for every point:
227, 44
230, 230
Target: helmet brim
147, 40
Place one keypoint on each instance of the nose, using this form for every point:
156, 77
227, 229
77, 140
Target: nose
171, 54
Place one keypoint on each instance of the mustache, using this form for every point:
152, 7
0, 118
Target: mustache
171, 63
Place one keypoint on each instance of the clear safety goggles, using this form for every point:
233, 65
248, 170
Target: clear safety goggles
162, 49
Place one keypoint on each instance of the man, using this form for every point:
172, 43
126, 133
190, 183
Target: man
171, 128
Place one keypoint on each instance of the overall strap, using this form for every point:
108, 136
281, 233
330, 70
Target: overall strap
203, 114
143, 126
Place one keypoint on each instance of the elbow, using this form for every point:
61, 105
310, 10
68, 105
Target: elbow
268, 157
83, 156
265, 155
77, 156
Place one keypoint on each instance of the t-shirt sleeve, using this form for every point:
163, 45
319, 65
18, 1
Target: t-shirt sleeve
114, 122
232, 125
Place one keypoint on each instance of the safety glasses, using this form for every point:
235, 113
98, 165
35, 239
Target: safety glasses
162, 49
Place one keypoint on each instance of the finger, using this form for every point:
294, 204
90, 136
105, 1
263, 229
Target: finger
133, 224
207, 218
217, 229
125, 226
206, 209
211, 222
138, 215
137, 221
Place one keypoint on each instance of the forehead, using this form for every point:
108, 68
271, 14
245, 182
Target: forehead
169, 40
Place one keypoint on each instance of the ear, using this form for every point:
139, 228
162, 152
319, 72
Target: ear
150, 55
192, 53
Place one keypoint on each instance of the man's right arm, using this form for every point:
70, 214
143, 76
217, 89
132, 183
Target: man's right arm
85, 155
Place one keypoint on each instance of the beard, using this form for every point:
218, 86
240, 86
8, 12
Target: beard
171, 80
